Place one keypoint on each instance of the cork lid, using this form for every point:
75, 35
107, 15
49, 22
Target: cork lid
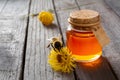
84, 18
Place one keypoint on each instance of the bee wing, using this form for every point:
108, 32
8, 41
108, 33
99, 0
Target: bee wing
50, 40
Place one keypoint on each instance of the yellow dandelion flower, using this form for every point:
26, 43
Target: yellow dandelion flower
46, 17
61, 60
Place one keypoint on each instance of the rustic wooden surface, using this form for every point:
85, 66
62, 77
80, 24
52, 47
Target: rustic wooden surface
12, 35
110, 22
101, 7
96, 70
23, 40
36, 66
115, 5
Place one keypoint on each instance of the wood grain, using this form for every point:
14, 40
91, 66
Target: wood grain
13, 22
63, 14
115, 5
36, 66
96, 70
104, 71
110, 22
2, 4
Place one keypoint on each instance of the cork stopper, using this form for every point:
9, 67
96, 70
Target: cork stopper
84, 18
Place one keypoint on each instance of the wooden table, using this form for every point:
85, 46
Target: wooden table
23, 40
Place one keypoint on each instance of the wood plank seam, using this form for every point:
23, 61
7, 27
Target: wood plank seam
25, 44
78, 6
13, 21
111, 69
75, 76
58, 21
111, 8
4, 5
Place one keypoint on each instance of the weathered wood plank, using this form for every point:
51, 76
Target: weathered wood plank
64, 4
63, 14
2, 4
65, 7
36, 66
110, 21
115, 5
62, 11
97, 70
12, 34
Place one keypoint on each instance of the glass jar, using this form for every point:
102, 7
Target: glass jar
81, 41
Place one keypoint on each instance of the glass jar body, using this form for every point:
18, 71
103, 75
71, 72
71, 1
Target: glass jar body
83, 45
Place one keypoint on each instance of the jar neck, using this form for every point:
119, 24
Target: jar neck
77, 30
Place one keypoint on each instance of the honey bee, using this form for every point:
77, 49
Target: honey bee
56, 43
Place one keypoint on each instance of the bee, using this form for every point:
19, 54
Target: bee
55, 43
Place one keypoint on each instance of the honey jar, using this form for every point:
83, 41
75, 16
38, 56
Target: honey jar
81, 40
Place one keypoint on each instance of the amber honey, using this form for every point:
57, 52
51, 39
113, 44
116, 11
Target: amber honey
83, 45
82, 35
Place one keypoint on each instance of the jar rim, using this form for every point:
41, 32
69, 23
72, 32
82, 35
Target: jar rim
79, 30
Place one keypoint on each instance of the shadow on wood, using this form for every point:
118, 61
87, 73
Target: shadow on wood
96, 70
51, 26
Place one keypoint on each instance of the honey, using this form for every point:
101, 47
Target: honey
83, 45
81, 40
